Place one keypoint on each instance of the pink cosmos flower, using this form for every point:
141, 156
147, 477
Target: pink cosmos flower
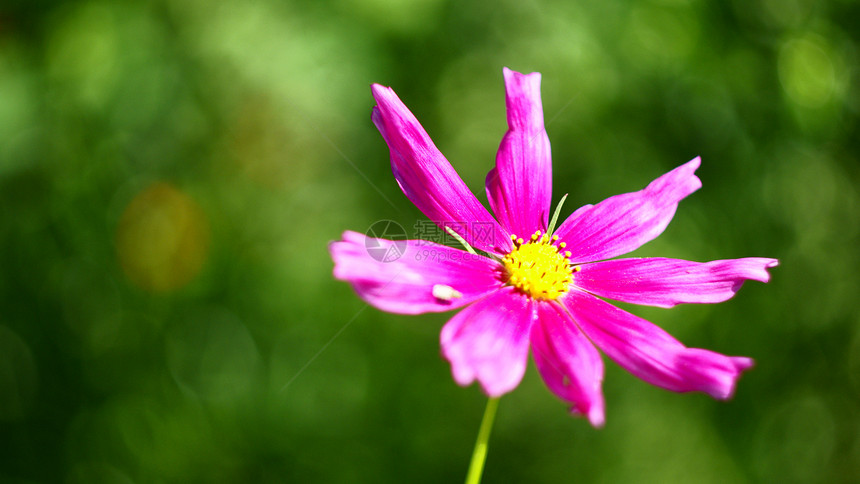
538, 289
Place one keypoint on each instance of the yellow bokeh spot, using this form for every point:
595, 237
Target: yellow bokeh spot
162, 239
537, 268
808, 71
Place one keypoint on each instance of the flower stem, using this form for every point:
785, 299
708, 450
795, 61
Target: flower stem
479, 455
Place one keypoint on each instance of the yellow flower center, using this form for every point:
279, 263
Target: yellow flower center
538, 267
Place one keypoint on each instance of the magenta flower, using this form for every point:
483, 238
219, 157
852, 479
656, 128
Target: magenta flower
537, 287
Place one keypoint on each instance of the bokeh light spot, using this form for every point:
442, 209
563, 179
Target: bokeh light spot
401, 16
18, 112
162, 238
806, 71
82, 53
661, 37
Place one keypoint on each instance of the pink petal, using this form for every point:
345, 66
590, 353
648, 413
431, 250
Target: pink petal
667, 282
427, 277
652, 354
489, 341
519, 188
569, 363
428, 180
624, 222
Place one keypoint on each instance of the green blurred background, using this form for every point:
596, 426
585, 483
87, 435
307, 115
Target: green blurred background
171, 172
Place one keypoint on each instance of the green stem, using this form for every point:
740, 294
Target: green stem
479, 455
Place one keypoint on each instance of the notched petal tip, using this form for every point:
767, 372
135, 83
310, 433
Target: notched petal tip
428, 179
523, 101
623, 223
748, 268
341, 250
390, 109
519, 188
512, 76
741, 364
662, 282
488, 342
763, 265
569, 363
653, 355
381, 92
769, 264
678, 183
596, 415
711, 372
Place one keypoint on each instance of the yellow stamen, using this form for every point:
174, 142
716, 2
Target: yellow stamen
537, 268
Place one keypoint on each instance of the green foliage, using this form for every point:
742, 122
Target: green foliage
172, 170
